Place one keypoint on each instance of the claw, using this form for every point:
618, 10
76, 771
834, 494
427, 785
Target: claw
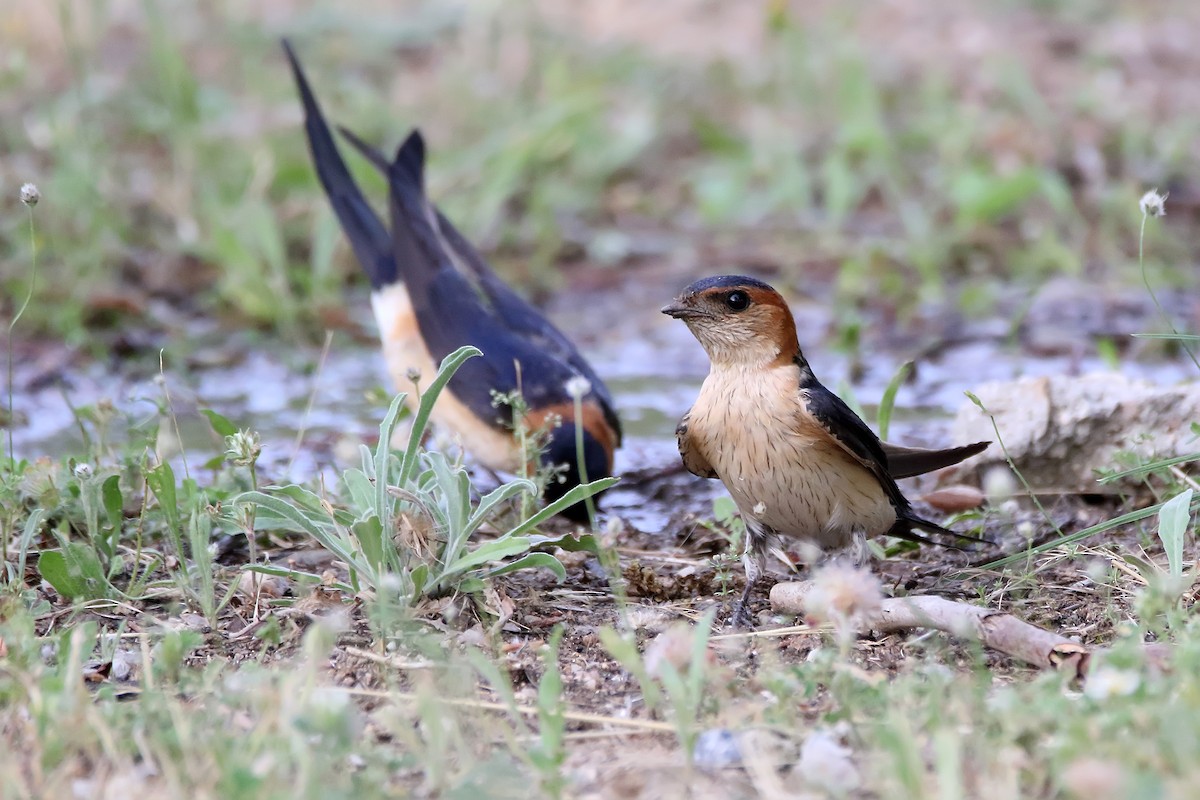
742, 617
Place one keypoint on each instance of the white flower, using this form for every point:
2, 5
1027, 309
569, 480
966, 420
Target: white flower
578, 386
1153, 204
845, 595
83, 471
1105, 683
30, 194
243, 448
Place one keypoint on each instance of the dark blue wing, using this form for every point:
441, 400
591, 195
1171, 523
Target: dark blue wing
848, 429
368, 237
519, 316
452, 310
456, 297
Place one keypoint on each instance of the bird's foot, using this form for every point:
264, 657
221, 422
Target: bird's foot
742, 616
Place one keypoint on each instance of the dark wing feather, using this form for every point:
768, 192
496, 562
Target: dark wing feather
905, 462
510, 309
454, 307
368, 151
519, 316
452, 311
852, 434
368, 237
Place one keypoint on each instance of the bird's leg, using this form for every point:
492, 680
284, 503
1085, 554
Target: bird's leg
754, 558
857, 550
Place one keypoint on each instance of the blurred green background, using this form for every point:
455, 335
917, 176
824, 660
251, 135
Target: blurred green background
918, 152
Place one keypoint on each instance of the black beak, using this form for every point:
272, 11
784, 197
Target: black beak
680, 311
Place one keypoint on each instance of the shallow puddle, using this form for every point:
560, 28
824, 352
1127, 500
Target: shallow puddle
652, 365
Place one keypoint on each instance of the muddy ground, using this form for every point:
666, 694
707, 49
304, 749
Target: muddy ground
674, 563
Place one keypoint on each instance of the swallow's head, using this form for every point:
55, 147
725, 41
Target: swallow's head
563, 451
737, 320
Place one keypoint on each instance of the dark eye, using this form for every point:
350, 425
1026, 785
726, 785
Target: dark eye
738, 301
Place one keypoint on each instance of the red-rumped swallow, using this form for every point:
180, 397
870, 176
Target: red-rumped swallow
797, 461
432, 293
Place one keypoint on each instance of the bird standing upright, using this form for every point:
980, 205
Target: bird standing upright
798, 462
432, 293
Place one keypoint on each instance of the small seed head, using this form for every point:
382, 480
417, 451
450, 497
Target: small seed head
1153, 204
243, 448
578, 386
844, 595
30, 194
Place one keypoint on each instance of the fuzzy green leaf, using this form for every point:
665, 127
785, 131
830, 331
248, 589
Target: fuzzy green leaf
1173, 521
113, 504
361, 491
161, 480
75, 572
52, 566
370, 540
586, 543
531, 561
220, 425
497, 496
381, 459
450, 365
569, 499
495, 550
284, 510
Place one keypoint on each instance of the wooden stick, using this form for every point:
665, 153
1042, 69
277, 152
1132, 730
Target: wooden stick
529, 711
998, 630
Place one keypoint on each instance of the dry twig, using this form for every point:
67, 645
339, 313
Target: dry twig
997, 630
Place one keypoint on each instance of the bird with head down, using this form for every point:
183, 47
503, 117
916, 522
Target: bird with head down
432, 293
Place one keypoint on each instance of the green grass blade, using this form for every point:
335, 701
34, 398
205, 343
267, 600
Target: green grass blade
888, 401
449, 366
1102, 527
32, 526
531, 561
303, 524
383, 503
161, 480
1145, 469
566, 501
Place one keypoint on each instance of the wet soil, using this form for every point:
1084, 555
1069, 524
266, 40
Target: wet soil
313, 407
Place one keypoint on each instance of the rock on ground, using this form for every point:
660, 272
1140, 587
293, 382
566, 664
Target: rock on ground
1062, 431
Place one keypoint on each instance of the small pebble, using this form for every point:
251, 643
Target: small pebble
954, 499
717, 748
